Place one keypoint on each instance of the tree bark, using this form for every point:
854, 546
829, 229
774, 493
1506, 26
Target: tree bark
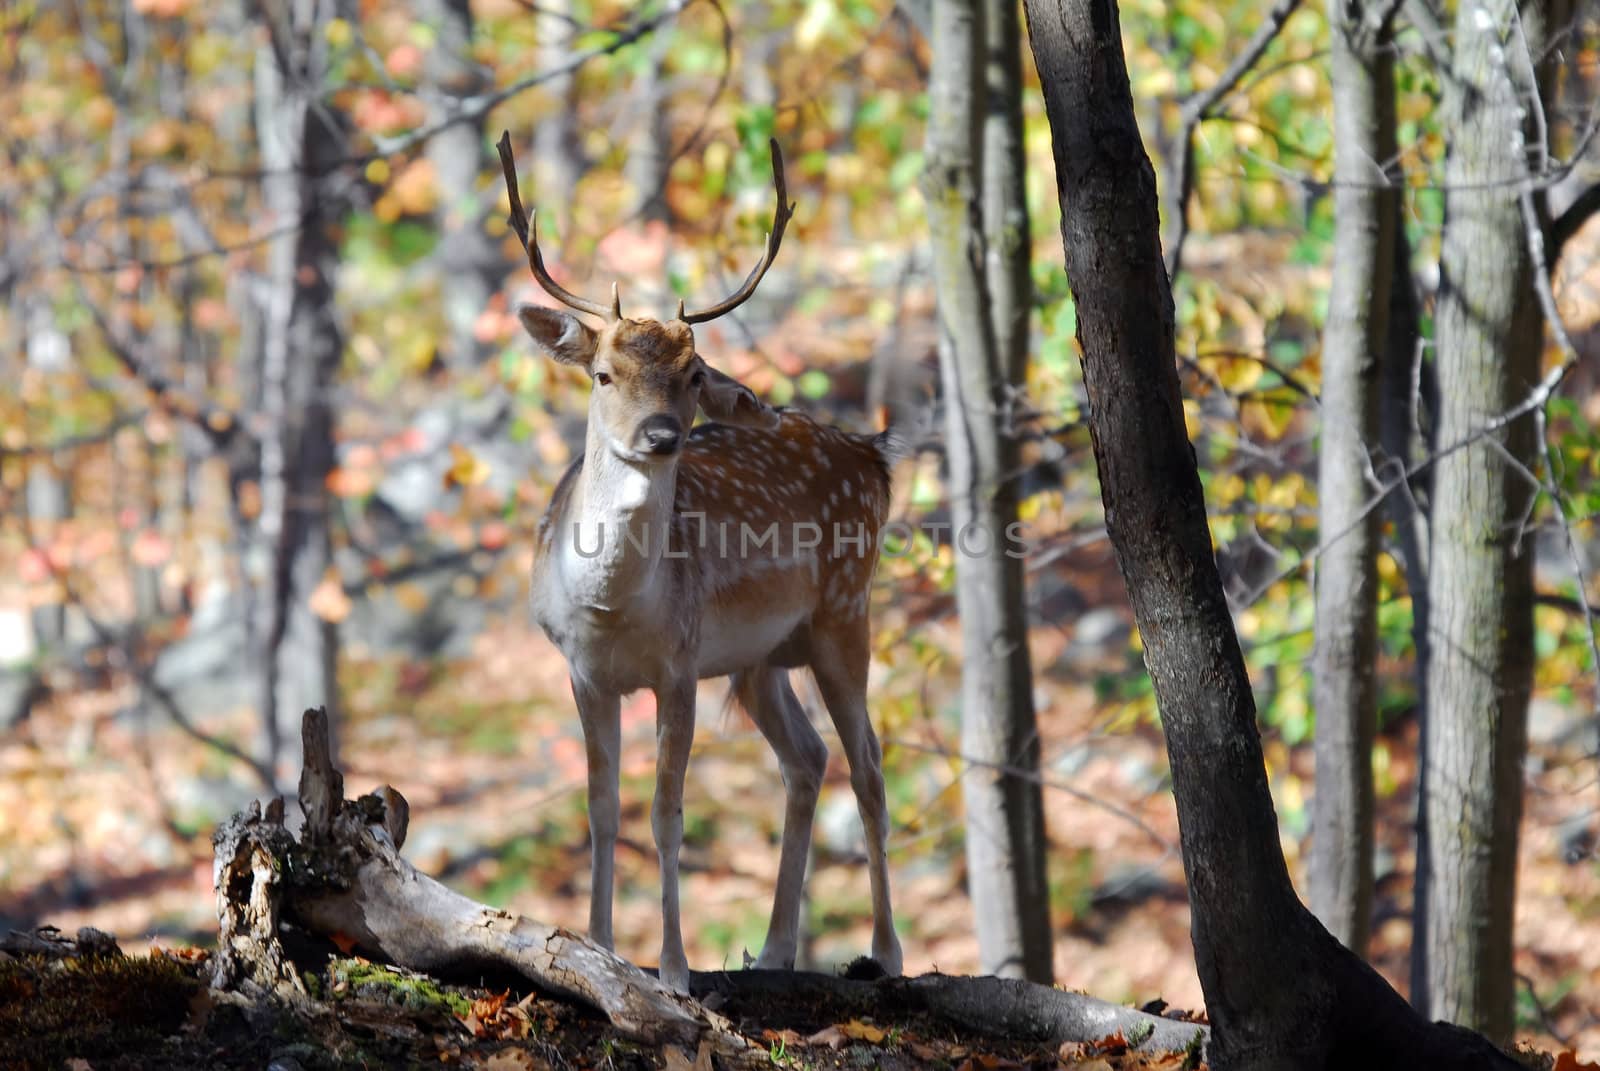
999, 735
1481, 557
1353, 347
301, 141
470, 262
1280, 991
1006, 232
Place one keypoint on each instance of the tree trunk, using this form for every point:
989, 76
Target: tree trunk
1409, 390
1006, 232
300, 145
1353, 346
649, 157
1281, 993
999, 735
558, 158
1481, 558
470, 262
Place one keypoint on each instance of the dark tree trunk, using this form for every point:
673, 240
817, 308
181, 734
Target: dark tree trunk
1481, 558
1006, 232
300, 144
1280, 991
999, 735
1353, 346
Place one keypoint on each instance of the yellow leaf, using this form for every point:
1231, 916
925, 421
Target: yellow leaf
466, 468
860, 1031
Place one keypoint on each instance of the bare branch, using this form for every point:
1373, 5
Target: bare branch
1194, 110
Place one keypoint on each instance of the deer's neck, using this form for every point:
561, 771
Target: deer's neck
616, 528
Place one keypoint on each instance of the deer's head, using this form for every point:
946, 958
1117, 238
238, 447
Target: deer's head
647, 377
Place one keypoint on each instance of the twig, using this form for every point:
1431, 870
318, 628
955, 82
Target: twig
1194, 110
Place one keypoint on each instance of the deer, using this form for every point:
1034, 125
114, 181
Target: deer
743, 547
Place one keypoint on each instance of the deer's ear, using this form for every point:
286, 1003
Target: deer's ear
561, 335
727, 401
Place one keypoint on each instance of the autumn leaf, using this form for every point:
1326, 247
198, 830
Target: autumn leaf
328, 600
345, 482
856, 1030
1112, 1044
150, 548
490, 1007
832, 1037
493, 535
1568, 1061
466, 468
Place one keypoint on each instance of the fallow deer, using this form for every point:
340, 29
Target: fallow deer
744, 547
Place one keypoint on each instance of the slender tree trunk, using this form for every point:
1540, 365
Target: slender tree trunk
557, 147
1280, 991
649, 155
1481, 559
999, 737
47, 493
1006, 232
1353, 346
470, 262
300, 142
1407, 388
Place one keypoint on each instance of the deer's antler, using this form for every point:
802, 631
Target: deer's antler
527, 230
780, 220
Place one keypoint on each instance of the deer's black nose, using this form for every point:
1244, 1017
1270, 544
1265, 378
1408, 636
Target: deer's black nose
662, 434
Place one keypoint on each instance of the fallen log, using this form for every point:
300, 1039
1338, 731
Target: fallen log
343, 878
999, 1007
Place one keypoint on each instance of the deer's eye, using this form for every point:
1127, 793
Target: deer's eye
698, 379
602, 379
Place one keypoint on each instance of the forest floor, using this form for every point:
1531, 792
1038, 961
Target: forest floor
154, 1012
105, 819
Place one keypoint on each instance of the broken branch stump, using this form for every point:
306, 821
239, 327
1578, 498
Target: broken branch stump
344, 876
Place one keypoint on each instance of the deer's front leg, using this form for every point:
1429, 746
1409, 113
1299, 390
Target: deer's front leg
601, 715
674, 735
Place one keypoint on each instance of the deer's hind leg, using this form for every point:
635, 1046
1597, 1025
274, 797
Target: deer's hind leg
840, 656
803, 759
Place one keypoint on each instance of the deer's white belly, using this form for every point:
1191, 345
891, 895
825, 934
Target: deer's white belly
737, 637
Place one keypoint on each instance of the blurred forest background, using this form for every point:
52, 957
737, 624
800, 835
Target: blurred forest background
270, 437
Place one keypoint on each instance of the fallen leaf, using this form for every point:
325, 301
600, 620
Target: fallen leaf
856, 1030
489, 1007
787, 1037
1112, 1044
1568, 1061
832, 1037
342, 941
